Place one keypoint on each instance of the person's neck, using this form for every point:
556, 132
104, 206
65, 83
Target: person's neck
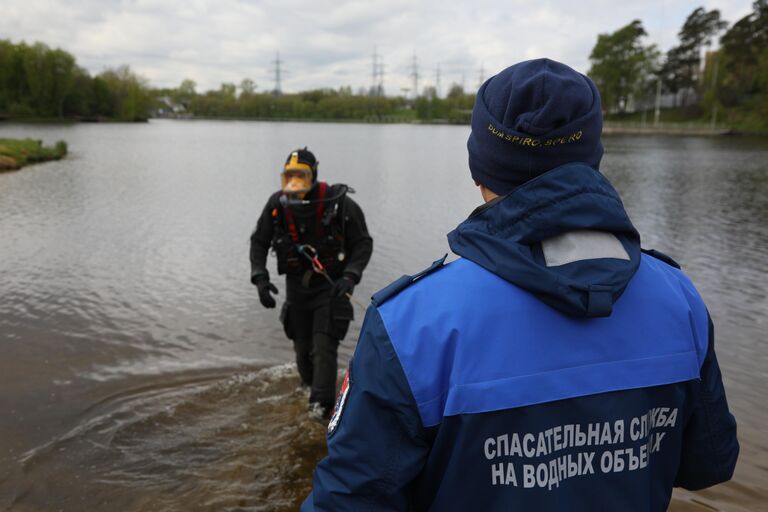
488, 194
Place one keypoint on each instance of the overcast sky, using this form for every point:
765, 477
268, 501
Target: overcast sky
325, 43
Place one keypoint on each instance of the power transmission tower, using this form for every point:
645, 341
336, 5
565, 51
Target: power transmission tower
380, 90
415, 76
375, 73
278, 75
437, 81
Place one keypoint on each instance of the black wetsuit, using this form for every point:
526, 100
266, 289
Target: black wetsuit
314, 319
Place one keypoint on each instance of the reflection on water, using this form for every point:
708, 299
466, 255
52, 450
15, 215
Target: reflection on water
207, 442
139, 369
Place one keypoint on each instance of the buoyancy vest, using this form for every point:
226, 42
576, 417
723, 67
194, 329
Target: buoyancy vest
323, 230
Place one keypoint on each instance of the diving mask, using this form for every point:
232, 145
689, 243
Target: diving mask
297, 176
296, 182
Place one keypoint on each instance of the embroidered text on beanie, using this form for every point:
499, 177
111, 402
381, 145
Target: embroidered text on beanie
530, 118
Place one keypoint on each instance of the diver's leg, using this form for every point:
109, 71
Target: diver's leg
303, 349
324, 359
300, 322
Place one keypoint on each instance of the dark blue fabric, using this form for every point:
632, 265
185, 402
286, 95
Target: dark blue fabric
530, 118
502, 237
404, 282
710, 446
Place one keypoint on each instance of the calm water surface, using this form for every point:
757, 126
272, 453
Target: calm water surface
138, 369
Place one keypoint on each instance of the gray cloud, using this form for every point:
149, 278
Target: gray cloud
326, 43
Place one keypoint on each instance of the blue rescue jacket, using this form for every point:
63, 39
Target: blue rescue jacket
554, 366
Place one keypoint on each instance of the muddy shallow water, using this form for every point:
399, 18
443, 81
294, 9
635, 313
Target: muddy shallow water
138, 370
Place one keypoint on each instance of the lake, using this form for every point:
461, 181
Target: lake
139, 369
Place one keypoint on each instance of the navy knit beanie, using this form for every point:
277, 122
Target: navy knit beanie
530, 118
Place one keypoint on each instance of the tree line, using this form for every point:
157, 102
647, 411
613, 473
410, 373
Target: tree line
43, 82
317, 104
37, 81
733, 79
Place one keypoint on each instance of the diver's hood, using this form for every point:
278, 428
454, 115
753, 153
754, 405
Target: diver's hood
563, 236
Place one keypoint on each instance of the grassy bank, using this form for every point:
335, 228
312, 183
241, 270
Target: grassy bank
16, 153
691, 120
639, 128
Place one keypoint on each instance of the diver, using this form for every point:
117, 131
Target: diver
319, 236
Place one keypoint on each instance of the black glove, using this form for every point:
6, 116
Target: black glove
265, 287
344, 286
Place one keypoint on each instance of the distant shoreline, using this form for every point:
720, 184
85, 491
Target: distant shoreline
613, 128
609, 127
67, 120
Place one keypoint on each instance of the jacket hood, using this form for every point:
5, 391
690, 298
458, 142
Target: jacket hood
563, 236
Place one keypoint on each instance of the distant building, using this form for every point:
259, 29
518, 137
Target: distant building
167, 108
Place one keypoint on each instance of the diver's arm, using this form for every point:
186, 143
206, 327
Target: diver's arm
261, 239
358, 243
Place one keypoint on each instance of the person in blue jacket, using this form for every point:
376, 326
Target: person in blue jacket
555, 365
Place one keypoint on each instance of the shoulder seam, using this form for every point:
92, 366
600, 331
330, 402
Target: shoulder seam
404, 282
661, 257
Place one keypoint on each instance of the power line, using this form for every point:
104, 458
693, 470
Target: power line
278, 75
375, 72
415, 76
381, 78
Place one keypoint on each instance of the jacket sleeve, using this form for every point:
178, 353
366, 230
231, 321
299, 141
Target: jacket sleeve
261, 239
379, 446
358, 243
710, 447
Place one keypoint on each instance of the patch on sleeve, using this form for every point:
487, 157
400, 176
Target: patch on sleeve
338, 408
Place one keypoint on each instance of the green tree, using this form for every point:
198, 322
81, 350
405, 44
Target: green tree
247, 86
64, 73
644, 91
7, 74
455, 91
742, 83
673, 72
185, 93
680, 72
39, 79
621, 65
129, 92
78, 101
50, 77
744, 47
103, 100
228, 90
